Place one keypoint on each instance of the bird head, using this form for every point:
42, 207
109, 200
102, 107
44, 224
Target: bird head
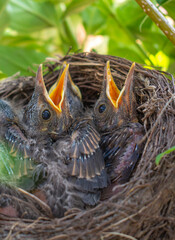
51, 112
115, 107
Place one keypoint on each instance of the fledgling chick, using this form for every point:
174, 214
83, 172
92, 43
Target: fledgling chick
64, 144
29, 132
116, 120
14, 147
72, 175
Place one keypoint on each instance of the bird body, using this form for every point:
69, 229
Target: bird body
121, 133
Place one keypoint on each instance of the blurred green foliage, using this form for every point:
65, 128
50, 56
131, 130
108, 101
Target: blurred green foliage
31, 30
15, 169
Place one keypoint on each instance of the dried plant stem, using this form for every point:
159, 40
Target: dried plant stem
149, 8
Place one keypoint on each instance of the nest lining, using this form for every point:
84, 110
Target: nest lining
144, 208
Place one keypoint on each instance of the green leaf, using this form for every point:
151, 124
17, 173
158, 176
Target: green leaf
52, 1
76, 6
104, 6
30, 41
161, 155
130, 13
152, 46
4, 18
6, 172
67, 35
15, 169
126, 51
121, 33
2, 75
160, 2
93, 20
170, 7
3, 5
29, 16
15, 59
4, 21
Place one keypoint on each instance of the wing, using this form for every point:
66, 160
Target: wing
14, 146
86, 159
6, 112
17, 140
10, 130
122, 152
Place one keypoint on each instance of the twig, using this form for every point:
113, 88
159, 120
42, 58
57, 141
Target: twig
120, 235
157, 17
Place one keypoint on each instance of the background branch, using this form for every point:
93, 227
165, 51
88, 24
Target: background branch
149, 8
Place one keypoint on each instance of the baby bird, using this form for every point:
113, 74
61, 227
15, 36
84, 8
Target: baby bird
116, 120
55, 132
73, 174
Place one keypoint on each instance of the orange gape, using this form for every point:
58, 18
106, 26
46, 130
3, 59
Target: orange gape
111, 89
57, 91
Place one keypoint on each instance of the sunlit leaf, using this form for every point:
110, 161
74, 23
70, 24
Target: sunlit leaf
170, 7
161, 155
2, 75
104, 6
44, 42
147, 37
93, 20
3, 5
52, 1
120, 21
4, 21
14, 59
160, 60
4, 17
29, 16
171, 66
116, 32
76, 6
130, 13
121, 35
129, 52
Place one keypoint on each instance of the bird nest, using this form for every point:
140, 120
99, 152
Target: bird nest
144, 208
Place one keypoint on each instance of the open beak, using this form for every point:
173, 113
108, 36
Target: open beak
64, 81
126, 94
56, 94
74, 87
112, 91
57, 91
